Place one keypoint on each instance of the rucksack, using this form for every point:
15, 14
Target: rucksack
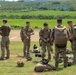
21, 34
40, 67
61, 35
44, 67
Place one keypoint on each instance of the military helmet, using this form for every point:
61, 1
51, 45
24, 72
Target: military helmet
20, 64
35, 46
29, 58
45, 61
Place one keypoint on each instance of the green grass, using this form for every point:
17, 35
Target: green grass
9, 66
34, 22
40, 12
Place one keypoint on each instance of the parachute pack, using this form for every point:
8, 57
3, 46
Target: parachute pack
61, 35
44, 67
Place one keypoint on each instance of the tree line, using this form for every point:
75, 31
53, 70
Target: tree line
55, 5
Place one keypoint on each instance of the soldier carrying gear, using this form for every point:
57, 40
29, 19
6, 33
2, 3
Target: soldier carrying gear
5, 29
44, 35
27, 32
60, 36
73, 38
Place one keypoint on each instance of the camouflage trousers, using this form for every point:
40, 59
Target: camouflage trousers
49, 48
26, 47
5, 44
74, 50
57, 53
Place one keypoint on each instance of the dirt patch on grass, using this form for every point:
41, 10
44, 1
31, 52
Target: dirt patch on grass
22, 60
13, 55
15, 35
35, 73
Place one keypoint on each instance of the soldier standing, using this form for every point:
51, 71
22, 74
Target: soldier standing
73, 38
5, 32
44, 35
27, 32
60, 36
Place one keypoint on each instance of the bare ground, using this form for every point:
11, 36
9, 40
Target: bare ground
15, 35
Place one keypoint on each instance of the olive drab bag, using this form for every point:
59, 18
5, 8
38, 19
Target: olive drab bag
61, 35
44, 67
21, 34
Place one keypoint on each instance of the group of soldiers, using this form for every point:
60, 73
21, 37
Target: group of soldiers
59, 36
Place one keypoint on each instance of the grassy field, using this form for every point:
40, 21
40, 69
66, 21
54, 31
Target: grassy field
34, 22
39, 12
10, 66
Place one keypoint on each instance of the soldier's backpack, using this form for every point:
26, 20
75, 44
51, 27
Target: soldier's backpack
43, 67
40, 67
61, 35
74, 32
21, 34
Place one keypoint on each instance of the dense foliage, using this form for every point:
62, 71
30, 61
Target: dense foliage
26, 6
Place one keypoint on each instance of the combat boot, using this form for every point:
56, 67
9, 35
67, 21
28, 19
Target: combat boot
1, 58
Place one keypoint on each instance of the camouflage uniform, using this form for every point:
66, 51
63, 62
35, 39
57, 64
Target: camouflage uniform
59, 49
27, 31
5, 41
73, 45
45, 34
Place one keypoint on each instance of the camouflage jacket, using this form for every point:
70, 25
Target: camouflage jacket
45, 34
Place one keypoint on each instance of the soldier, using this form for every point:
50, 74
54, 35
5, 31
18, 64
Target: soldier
5, 32
60, 36
27, 32
44, 35
72, 39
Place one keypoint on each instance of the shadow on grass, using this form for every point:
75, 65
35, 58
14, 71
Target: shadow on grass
59, 69
20, 56
36, 62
